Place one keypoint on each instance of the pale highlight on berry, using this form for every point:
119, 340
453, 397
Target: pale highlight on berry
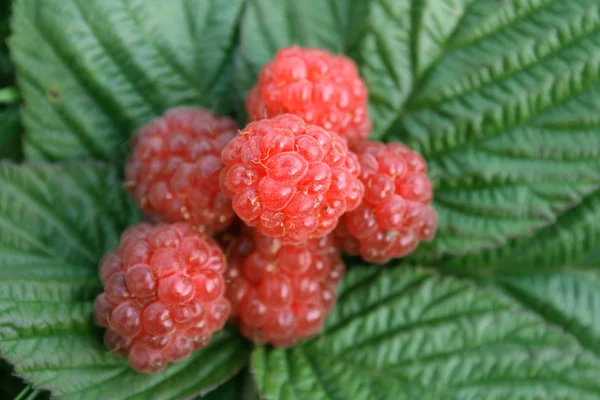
163, 295
174, 165
396, 211
290, 179
282, 293
322, 88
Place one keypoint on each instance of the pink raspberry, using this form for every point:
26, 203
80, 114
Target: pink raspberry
396, 211
290, 179
282, 293
163, 295
173, 170
322, 88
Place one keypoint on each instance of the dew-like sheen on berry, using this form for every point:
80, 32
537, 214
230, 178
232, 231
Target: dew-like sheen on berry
322, 88
281, 293
163, 294
174, 165
290, 179
396, 212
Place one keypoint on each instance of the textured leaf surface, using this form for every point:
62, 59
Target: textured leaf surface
55, 225
573, 238
569, 300
412, 335
92, 71
268, 25
501, 97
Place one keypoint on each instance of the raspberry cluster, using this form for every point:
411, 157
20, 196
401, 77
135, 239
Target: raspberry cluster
281, 293
173, 170
303, 184
163, 294
396, 212
322, 88
290, 179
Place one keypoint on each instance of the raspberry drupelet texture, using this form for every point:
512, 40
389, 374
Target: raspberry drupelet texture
290, 179
173, 170
396, 212
164, 295
322, 88
282, 293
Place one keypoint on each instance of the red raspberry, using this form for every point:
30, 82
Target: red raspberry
173, 169
396, 211
282, 293
163, 295
322, 88
290, 179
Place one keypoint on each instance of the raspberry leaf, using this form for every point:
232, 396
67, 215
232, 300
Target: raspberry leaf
56, 222
269, 25
569, 300
501, 98
92, 71
416, 335
571, 239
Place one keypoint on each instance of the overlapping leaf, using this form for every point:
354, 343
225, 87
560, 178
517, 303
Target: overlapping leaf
500, 97
568, 300
55, 225
410, 335
572, 239
93, 71
269, 25
503, 105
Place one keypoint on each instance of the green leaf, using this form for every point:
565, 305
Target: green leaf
10, 130
56, 222
92, 71
410, 334
501, 98
570, 300
268, 25
592, 258
573, 237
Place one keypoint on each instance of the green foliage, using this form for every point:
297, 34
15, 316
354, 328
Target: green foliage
501, 97
568, 300
56, 222
417, 336
93, 71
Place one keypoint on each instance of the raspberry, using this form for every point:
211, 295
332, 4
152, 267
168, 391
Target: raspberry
396, 211
289, 179
163, 295
322, 88
173, 169
282, 293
